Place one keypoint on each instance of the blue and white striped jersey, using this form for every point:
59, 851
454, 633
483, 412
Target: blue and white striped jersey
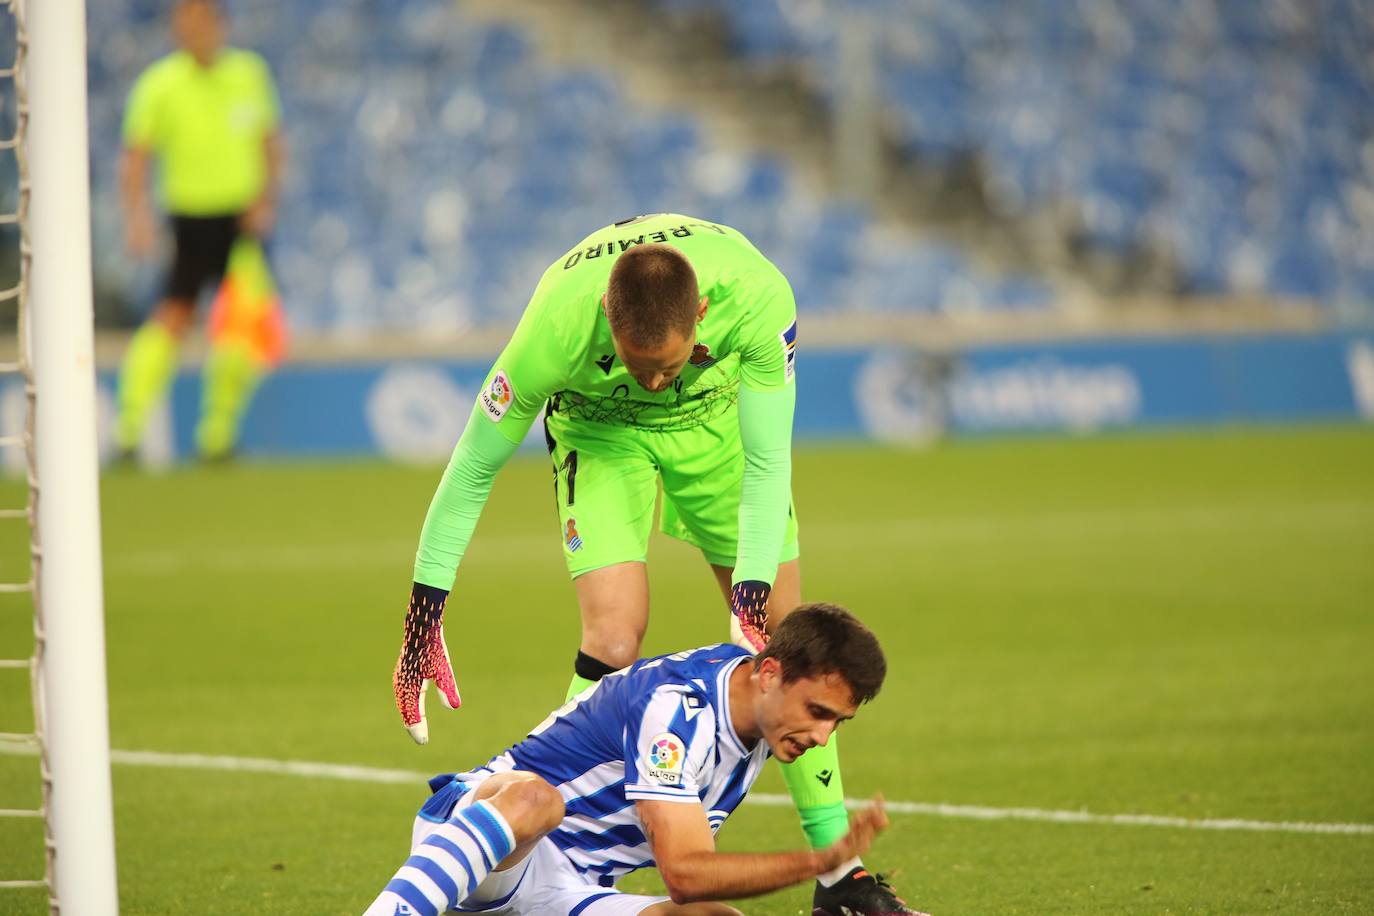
659, 730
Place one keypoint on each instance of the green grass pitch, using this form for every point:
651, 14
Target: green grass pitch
1176, 624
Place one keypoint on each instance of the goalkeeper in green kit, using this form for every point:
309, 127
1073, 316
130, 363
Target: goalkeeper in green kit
662, 347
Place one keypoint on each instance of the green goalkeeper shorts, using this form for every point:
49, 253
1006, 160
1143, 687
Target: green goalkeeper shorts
606, 481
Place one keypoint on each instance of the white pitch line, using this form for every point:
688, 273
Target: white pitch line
983, 813
309, 768
505, 549
352, 773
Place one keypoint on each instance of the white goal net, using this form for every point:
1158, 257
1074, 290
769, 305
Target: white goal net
45, 297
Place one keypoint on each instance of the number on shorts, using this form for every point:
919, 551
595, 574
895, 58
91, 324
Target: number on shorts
570, 467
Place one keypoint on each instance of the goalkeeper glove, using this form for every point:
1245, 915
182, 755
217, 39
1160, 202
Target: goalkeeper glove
749, 603
423, 660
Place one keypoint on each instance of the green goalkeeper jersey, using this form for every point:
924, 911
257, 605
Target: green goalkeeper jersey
562, 355
562, 348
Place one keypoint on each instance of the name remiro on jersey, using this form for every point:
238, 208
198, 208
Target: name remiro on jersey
609, 248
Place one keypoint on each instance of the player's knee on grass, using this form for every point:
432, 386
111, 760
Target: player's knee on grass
530, 805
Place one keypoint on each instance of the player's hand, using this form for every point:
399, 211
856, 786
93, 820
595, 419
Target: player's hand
864, 826
140, 232
423, 660
749, 604
258, 219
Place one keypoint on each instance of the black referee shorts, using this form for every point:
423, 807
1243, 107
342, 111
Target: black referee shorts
200, 255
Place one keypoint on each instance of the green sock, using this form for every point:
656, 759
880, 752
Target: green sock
814, 781
579, 684
148, 366
230, 377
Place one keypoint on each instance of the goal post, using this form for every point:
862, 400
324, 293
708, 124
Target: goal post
68, 575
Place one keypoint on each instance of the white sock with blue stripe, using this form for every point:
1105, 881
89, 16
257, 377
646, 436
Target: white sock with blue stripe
448, 864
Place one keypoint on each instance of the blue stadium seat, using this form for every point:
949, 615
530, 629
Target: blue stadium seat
1228, 88
438, 162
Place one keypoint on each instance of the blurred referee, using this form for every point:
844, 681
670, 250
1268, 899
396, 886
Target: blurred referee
210, 117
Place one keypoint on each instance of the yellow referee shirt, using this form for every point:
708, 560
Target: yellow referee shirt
207, 126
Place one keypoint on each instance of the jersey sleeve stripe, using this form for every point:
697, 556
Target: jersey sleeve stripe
657, 793
683, 727
659, 715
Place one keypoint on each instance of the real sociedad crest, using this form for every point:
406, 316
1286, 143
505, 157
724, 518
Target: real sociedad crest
701, 357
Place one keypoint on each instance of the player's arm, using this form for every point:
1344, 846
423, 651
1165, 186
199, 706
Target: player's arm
260, 217
527, 372
692, 870
139, 224
664, 758
263, 213
767, 401
449, 523
532, 367
274, 149
140, 134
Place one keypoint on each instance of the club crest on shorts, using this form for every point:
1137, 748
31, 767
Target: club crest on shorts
665, 757
571, 537
789, 349
497, 396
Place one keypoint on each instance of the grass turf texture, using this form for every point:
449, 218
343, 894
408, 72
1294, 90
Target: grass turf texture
1174, 624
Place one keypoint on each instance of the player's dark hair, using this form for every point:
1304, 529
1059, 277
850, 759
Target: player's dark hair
652, 291
820, 639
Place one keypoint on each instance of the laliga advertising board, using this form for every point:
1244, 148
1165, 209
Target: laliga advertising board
415, 410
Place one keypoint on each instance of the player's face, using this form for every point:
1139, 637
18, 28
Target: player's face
797, 716
655, 368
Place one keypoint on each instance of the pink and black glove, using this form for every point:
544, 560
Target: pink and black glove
749, 603
423, 660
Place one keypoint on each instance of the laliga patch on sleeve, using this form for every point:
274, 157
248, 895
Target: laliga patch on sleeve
664, 757
497, 396
789, 350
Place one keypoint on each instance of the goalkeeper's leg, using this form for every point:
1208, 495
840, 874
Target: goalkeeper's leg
605, 485
614, 603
